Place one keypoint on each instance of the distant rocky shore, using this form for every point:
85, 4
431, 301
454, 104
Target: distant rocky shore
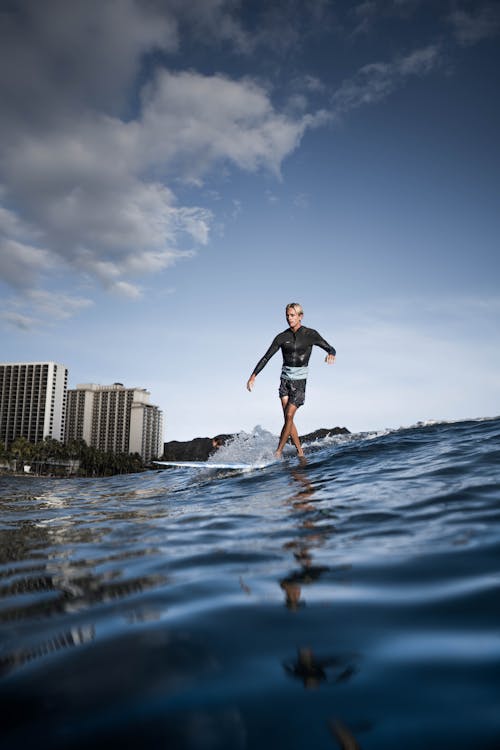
201, 448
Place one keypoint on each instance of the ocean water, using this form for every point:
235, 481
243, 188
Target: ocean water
353, 601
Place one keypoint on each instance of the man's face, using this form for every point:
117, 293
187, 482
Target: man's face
293, 318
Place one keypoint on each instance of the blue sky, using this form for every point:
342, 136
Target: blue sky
173, 173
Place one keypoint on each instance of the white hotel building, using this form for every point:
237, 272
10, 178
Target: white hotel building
32, 401
114, 418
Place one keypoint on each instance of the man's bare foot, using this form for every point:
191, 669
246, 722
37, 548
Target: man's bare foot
278, 454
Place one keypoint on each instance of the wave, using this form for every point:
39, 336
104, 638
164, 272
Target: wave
258, 446
172, 608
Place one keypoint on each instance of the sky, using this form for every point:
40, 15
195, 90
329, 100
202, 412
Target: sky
174, 172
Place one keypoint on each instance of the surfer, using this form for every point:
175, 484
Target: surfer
296, 344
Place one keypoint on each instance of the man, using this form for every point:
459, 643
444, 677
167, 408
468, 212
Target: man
296, 344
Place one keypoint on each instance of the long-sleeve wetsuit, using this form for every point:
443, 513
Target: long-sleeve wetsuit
296, 349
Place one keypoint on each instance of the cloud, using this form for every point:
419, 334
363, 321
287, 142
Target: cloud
369, 14
21, 259
309, 83
472, 27
376, 81
56, 305
98, 134
94, 187
301, 200
67, 57
193, 121
365, 13
21, 264
72, 194
215, 20
39, 307
126, 289
18, 321
277, 27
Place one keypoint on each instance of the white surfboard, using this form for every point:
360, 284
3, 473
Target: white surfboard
212, 465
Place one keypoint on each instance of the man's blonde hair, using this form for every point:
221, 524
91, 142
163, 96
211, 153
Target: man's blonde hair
295, 305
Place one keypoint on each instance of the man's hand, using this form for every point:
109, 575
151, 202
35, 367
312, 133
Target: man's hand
330, 359
251, 381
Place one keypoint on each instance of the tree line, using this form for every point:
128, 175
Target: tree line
49, 456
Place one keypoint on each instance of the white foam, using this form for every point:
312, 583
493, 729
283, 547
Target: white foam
257, 447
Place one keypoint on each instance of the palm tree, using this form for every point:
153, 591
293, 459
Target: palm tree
22, 450
4, 454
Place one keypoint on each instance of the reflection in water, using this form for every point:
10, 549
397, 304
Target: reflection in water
343, 735
309, 668
313, 670
58, 594
39, 587
68, 596
77, 636
314, 536
245, 587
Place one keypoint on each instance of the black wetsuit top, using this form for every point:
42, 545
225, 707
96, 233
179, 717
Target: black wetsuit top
296, 347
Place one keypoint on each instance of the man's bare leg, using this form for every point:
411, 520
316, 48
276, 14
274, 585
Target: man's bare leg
289, 429
295, 438
293, 434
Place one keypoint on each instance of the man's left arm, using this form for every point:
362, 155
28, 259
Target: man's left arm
320, 341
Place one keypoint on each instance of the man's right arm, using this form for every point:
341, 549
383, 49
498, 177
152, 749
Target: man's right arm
263, 361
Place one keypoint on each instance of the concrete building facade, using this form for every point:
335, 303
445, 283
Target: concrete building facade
115, 418
32, 401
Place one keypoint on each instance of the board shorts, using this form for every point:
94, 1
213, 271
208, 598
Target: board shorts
294, 389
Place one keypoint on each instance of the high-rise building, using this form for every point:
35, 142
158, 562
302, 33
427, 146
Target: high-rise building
32, 401
114, 418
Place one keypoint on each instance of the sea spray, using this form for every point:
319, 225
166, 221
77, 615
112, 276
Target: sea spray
255, 447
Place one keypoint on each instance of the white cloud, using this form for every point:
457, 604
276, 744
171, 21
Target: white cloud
88, 183
56, 305
297, 103
126, 289
365, 13
39, 307
216, 20
193, 121
368, 14
74, 195
92, 186
309, 83
472, 27
92, 210
18, 320
21, 263
68, 56
10, 225
376, 81
277, 27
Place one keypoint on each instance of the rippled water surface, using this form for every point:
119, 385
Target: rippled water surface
350, 602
